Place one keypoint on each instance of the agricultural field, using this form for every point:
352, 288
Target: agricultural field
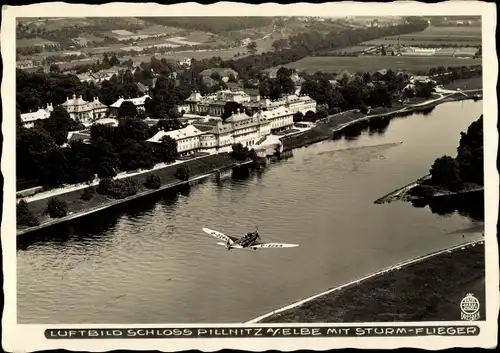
351, 50
435, 36
375, 63
24, 43
466, 83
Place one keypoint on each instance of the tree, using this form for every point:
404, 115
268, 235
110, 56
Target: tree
470, 153
182, 173
239, 153
59, 124
127, 110
231, 108
114, 61
105, 157
117, 189
135, 155
32, 147
152, 182
87, 194
56, 208
132, 128
55, 68
445, 172
169, 124
168, 150
24, 216
252, 48
298, 117
216, 76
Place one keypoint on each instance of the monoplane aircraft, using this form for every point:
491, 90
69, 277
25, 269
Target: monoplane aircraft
248, 241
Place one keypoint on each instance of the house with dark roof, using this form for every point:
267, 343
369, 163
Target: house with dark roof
224, 73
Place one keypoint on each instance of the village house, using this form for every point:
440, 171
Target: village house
24, 64
224, 73
28, 119
185, 62
246, 41
83, 111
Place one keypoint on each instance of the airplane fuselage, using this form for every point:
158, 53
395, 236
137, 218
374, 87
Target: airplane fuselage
247, 240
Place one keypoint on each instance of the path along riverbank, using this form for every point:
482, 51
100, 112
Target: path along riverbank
200, 168
335, 123
428, 288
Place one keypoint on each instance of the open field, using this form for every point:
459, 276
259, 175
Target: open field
22, 43
466, 83
460, 36
373, 63
430, 290
348, 50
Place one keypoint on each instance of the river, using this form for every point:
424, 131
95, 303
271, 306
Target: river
149, 261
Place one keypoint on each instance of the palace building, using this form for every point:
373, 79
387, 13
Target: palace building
85, 112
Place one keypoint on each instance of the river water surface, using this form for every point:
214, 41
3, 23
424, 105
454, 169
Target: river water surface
149, 262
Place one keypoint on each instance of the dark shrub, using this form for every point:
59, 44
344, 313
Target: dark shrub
87, 194
182, 173
152, 182
24, 216
423, 191
56, 208
117, 189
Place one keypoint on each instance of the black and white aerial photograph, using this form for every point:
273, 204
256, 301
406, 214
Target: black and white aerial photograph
249, 170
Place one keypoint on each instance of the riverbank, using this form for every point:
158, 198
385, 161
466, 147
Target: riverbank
77, 207
428, 288
335, 123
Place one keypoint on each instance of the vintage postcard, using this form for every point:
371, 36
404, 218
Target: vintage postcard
249, 177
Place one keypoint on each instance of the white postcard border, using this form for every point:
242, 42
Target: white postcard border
29, 338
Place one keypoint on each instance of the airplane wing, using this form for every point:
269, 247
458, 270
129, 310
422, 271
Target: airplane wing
272, 245
220, 236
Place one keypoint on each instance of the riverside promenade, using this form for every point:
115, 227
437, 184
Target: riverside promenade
336, 122
79, 208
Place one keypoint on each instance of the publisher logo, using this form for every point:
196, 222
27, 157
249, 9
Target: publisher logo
470, 308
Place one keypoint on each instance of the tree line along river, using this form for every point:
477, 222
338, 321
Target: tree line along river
149, 262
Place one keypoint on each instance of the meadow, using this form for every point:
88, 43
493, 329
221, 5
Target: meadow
459, 36
375, 63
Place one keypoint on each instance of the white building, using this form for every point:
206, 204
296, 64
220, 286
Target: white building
185, 61
24, 64
213, 104
83, 111
28, 119
216, 134
238, 128
293, 102
138, 102
188, 139
107, 121
279, 119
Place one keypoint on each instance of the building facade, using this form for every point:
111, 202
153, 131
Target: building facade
138, 102
213, 104
85, 112
187, 138
28, 119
